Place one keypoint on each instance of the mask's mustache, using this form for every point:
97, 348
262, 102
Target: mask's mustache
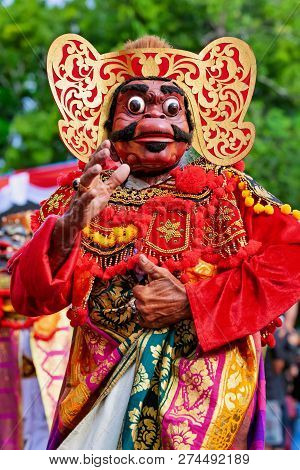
127, 134
180, 135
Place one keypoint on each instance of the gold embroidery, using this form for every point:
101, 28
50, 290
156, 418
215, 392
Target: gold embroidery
53, 202
56, 203
170, 230
102, 370
144, 428
97, 344
162, 361
171, 251
180, 437
110, 309
238, 384
73, 403
224, 214
141, 380
76, 375
225, 230
138, 197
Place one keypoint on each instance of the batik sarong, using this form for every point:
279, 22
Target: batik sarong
181, 397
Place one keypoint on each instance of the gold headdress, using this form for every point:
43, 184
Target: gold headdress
218, 83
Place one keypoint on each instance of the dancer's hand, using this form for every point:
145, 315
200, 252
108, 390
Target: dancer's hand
90, 199
163, 301
93, 194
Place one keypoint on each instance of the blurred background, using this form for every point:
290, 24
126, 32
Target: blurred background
28, 116
32, 156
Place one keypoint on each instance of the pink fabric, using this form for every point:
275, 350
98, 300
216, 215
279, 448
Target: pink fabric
10, 391
187, 384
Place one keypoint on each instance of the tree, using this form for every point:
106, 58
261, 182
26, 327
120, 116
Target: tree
28, 123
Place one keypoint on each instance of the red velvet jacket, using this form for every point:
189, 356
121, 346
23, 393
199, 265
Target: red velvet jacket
236, 302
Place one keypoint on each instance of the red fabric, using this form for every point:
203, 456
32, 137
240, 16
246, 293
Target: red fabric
238, 301
244, 299
47, 176
34, 291
43, 176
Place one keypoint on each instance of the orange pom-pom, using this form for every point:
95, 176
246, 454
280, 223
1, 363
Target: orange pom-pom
246, 193
242, 185
258, 208
286, 209
296, 214
249, 201
269, 210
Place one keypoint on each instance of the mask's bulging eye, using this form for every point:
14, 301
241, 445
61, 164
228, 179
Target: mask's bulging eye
171, 107
136, 105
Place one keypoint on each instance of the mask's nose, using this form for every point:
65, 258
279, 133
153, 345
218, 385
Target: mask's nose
154, 112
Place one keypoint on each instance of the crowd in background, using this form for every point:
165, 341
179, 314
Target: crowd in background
282, 365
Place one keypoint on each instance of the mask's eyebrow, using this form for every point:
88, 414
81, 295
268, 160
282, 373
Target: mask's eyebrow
166, 89
135, 87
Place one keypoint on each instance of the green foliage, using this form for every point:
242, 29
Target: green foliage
28, 122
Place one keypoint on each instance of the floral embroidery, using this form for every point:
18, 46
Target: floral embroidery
144, 428
54, 202
185, 336
237, 388
103, 369
71, 405
196, 382
162, 362
180, 436
156, 352
170, 230
110, 308
141, 381
97, 344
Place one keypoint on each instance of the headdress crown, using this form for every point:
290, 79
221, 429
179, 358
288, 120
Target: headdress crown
218, 83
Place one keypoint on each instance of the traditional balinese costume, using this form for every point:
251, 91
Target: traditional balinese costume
33, 355
198, 384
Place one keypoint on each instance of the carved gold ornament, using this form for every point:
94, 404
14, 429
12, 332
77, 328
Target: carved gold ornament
170, 230
218, 83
